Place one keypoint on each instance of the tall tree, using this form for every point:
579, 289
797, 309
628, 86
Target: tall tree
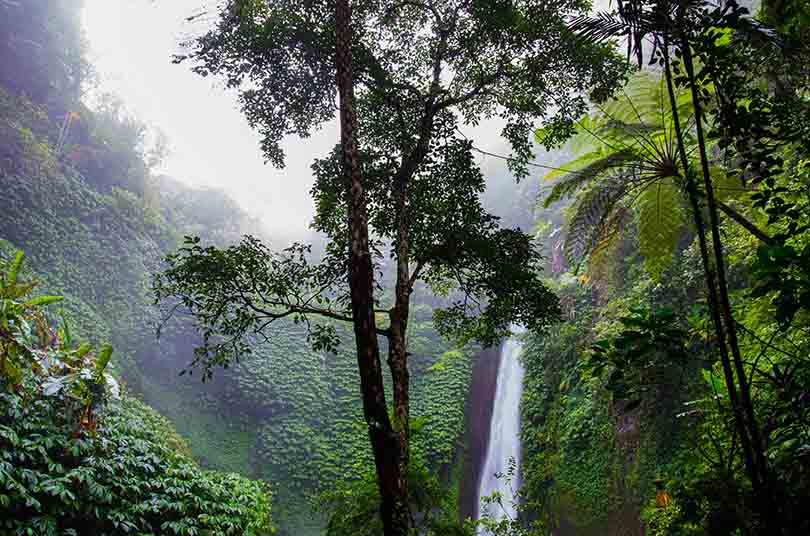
713, 52
386, 446
421, 70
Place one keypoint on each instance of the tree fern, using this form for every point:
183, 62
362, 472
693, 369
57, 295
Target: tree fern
626, 147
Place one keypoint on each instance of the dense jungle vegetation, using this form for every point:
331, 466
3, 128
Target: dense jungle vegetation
652, 236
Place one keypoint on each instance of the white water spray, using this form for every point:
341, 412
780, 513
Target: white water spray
504, 433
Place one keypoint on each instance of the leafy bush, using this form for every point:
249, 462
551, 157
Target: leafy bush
77, 459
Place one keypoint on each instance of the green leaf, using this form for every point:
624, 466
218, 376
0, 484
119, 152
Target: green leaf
102, 361
11, 277
660, 218
43, 300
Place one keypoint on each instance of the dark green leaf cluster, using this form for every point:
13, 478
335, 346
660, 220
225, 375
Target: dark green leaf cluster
455, 242
124, 479
650, 343
497, 278
511, 58
76, 459
353, 506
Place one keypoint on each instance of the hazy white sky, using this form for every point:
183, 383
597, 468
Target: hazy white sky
131, 44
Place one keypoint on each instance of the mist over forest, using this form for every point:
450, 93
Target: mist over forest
430, 267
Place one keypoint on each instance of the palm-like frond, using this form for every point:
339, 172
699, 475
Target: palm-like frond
630, 153
599, 259
633, 19
600, 26
660, 218
573, 181
591, 216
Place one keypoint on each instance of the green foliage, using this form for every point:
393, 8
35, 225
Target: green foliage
295, 45
781, 270
352, 507
125, 477
650, 344
661, 219
238, 292
494, 518
20, 328
660, 521
315, 438
281, 383
43, 50
74, 458
598, 428
23, 131
95, 228
625, 162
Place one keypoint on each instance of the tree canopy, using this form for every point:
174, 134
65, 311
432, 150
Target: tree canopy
471, 61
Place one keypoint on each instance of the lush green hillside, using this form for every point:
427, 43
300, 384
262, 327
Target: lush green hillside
95, 224
287, 414
80, 456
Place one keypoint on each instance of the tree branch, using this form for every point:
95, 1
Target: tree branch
745, 223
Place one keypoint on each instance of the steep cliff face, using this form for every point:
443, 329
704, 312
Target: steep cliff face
478, 416
591, 455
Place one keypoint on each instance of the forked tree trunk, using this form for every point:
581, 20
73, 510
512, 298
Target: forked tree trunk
385, 443
397, 347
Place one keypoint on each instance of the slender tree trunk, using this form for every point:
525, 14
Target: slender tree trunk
397, 348
766, 503
708, 270
384, 440
725, 302
400, 378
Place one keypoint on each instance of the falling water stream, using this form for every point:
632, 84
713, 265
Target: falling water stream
504, 433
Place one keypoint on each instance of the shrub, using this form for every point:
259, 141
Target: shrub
77, 458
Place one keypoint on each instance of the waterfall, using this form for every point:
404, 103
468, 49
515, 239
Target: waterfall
504, 432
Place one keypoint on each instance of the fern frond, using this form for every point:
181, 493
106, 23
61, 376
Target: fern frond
726, 186
599, 27
572, 166
587, 136
644, 93
572, 182
620, 130
660, 218
14, 269
592, 213
605, 244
